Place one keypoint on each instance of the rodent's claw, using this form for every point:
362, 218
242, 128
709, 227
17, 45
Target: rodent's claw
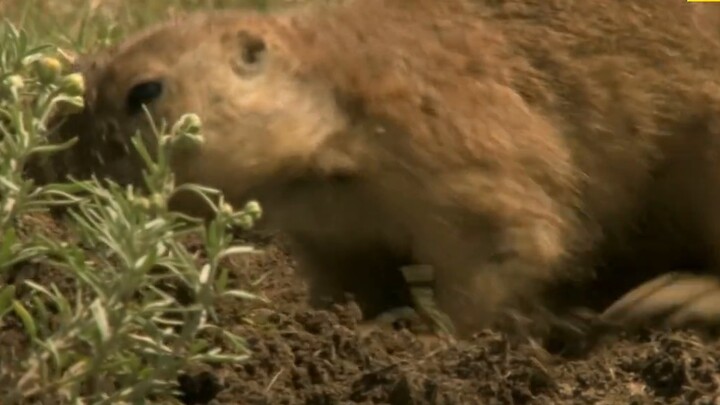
399, 314
672, 300
420, 280
424, 319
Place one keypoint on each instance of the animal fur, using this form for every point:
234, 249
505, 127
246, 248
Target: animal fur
529, 150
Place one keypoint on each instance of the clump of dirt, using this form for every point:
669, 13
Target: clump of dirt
302, 355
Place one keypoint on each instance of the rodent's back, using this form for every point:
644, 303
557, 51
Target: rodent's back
627, 93
620, 83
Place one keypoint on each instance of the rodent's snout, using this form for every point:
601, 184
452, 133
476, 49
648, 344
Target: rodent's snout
102, 144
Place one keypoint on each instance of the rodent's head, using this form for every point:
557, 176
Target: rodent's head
260, 119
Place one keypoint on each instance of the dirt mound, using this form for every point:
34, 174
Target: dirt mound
303, 355
318, 357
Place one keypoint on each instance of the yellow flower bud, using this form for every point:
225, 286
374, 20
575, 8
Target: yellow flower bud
48, 69
73, 84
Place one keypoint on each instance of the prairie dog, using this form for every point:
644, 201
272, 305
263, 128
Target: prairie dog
515, 146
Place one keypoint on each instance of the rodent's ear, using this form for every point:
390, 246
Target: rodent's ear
250, 51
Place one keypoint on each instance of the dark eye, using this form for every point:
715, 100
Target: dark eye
253, 49
141, 94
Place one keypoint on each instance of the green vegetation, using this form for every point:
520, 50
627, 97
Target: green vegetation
133, 306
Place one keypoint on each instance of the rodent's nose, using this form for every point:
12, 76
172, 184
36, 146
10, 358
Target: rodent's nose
117, 149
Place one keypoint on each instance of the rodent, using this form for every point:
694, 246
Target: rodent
528, 150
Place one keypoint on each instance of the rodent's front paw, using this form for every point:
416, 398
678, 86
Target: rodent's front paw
424, 319
672, 300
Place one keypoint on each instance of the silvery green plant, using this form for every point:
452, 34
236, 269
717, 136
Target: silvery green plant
142, 305
31, 88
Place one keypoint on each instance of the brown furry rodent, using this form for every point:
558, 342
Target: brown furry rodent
518, 147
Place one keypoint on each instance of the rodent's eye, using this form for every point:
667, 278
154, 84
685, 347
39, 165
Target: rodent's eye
253, 49
141, 94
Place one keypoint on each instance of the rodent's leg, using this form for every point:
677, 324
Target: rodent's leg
385, 287
368, 273
687, 197
496, 247
672, 299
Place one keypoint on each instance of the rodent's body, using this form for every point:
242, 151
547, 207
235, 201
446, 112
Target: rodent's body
512, 145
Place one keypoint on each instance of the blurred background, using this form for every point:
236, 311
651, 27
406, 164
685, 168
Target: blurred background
84, 24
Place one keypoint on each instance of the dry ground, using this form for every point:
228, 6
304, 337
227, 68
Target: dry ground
307, 356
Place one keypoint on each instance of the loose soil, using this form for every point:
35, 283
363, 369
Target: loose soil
309, 356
